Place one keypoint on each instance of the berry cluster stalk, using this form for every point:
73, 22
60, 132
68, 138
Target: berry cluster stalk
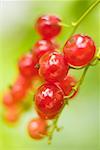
97, 58
75, 24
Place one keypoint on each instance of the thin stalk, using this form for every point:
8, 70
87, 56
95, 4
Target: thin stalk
77, 23
55, 126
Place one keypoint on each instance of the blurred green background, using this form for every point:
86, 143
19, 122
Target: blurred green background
81, 120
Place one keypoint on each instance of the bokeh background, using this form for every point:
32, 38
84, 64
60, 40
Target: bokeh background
81, 120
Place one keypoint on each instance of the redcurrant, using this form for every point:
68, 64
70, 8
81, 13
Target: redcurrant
41, 47
48, 26
37, 128
67, 85
25, 82
49, 100
12, 114
27, 66
19, 89
52, 67
8, 99
55, 44
47, 116
79, 50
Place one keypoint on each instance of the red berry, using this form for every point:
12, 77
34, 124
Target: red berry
27, 66
49, 100
47, 116
56, 45
48, 26
12, 114
79, 50
37, 128
67, 84
18, 92
8, 99
19, 89
25, 82
52, 67
41, 47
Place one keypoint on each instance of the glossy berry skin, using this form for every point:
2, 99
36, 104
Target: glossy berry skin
79, 50
37, 128
52, 67
8, 99
48, 26
49, 100
27, 66
47, 116
67, 84
41, 47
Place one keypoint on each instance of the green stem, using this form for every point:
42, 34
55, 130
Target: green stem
96, 59
77, 86
54, 127
64, 24
82, 78
98, 54
77, 23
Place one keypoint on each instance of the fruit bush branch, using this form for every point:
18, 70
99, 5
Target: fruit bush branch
79, 83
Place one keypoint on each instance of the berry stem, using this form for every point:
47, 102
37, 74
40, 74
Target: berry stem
82, 78
64, 24
55, 126
77, 23
96, 59
50, 135
98, 54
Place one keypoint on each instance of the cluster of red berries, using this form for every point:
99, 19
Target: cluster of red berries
53, 67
